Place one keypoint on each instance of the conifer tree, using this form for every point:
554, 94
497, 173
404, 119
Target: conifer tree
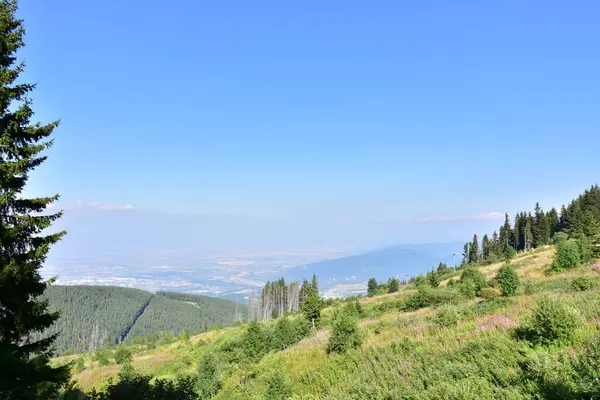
474, 251
553, 222
372, 287
505, 235
516, 236
485, 247
315, 283
24, 361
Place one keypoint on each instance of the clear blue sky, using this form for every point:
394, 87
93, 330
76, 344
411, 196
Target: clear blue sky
347, 110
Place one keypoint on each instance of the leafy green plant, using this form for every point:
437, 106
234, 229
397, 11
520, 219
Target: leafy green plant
209, 377
552, 321
123, 355
427, 296
587, 368
477, 278
279, 387
581, 284
490, 293
508, 280
446, 316
345, 333
567, 256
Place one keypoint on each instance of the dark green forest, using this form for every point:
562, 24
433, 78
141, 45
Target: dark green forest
97, 316
579, 220
173, 313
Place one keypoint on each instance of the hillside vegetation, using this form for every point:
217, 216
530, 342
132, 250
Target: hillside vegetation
487, 347
519, 319
93, 317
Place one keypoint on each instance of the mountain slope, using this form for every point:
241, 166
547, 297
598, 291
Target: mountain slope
95, 316
400, 260
476, 354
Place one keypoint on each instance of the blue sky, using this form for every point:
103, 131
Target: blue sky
339, 115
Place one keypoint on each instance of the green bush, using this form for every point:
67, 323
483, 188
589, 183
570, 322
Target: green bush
587, 368
279, 387
427, 296
567, 256
209, 377
446, 316
509, 253
552, 321
102, 355
490, 293
284, 334
508, 280
123, 355
345, 333
476, 277
582, 284
79, 365
560, 237
586, 249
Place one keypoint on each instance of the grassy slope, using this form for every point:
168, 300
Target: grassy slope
402, 353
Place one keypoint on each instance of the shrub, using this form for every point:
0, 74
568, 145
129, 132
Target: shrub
551, 321
279, 387
586, 249
345, 333
446, 316
587, 368
467, 289
284, 334
472, 275
143, 387
567, 256
209, 377
509, 253
123, 355
185, 336
127, 371
102, 356
508, 280
427, 296
254, 342
490, 293
79, 365
560, 237
393, 285
582, 284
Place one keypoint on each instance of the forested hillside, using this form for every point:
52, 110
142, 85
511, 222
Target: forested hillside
178, 312
97, 316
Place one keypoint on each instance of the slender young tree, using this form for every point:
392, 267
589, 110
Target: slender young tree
372, 287
485, 247
25, 372
474, 251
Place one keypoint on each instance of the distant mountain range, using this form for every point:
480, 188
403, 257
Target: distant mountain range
402, 261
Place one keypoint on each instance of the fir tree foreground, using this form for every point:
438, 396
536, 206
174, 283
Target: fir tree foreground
24, 360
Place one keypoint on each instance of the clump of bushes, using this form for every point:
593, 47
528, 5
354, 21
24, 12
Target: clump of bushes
446, 316
345, 334
508, 280
471, 282
123, 355
567, 256
427, 296
490, 293
551, 322
279, 387
582, 284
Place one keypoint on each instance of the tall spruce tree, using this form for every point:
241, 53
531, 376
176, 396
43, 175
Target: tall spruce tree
505, 234
485, 247
474, 251
25, 372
